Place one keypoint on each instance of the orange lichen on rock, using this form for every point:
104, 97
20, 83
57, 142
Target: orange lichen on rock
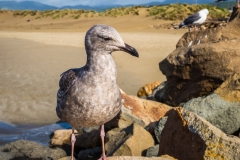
147, 89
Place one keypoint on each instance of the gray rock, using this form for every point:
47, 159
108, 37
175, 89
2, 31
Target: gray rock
6, 156
223, 114
90, 154
159, 127
131, 141
123, 119
27, 150
152, 151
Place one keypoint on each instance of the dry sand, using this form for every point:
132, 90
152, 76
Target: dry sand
31, 61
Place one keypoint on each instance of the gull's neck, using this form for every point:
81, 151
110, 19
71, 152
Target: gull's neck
101, 63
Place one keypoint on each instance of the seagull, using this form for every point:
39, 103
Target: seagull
89, 96
197, 18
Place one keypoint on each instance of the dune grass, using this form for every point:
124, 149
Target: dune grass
181, 11
115, 12
167, 12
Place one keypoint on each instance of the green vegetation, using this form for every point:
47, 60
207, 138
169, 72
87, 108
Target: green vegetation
3, 11
121, 11
167, 12
181, 11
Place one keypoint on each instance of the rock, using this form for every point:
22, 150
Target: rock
230, 89
65, 158
88, 137
222, 108
164, 157
6, 156
198, 70
23, 149
131, 141
147, 89
61, 137
90, 154
151, 95
137, 110
159, 127
152, 151
189, 136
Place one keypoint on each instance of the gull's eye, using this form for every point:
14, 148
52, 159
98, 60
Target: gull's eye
107, 38
104, 37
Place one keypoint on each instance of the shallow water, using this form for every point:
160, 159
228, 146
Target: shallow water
38, 133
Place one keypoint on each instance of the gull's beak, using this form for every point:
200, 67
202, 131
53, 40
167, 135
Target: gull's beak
129, 49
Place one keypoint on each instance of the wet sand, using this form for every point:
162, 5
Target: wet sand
30, 65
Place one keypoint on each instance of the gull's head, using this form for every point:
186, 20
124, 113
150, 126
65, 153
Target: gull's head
204, 11
106, 39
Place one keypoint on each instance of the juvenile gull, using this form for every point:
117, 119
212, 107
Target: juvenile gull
90, 96
197, 18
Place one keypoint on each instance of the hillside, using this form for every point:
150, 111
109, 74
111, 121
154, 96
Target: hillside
30, 5
25, 5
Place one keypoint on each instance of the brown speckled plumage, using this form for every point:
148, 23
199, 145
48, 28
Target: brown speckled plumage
90, 96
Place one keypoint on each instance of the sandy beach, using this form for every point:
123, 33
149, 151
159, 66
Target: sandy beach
31, 61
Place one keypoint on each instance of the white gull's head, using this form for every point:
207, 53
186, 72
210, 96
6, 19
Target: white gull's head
103, 38
204, 12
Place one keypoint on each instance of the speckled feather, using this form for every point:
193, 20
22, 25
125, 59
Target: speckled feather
90, 96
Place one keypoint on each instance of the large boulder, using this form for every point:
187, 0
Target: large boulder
200, 63
131, 141
221, 108
189, 136
24, 149
136, 110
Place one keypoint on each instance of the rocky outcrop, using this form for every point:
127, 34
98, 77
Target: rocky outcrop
200, 63
189, 136
131, 141
23, 149
222, 108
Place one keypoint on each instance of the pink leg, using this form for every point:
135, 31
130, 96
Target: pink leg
196, 28
102, 135
73, 140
